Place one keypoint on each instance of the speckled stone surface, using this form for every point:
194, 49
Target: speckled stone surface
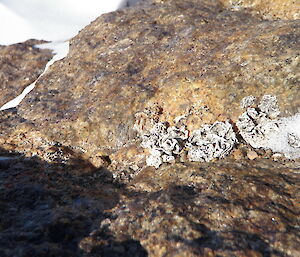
196, 58
270, 10
180, 55
20, 65
226, 208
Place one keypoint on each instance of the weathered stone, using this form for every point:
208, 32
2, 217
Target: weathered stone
20, 65
226, 208
192, 58
272, 10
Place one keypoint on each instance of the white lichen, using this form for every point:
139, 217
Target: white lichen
269, 106
211, 141
164, 143
248, 101
255, 127
259, 126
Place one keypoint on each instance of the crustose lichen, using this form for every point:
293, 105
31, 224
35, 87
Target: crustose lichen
259, 126
211, 141
165, 142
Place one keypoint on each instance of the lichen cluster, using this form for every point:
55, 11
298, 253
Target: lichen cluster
257, 123
211, 141
259, 126
165, 143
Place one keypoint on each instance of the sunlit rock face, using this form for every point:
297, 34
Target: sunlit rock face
180, 55
270, 10
227, 208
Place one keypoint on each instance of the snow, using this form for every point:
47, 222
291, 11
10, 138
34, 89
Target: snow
51, 20
287, 139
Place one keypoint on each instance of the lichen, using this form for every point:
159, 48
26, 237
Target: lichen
255, 127
165, 143
261, 127
211, 141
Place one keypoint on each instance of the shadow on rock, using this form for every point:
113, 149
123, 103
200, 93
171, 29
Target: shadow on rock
48, 208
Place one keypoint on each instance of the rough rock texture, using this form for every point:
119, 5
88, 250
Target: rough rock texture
273, 10
194, 58
183, 62
227, 208
20, 65
46, 209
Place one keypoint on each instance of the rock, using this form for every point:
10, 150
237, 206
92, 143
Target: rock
177, 63
194, 59
225, 208
271, 10
47, 209
20, 65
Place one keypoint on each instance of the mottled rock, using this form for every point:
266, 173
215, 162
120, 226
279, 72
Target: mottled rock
272, 10
195, 59
180, 63
226, 208
20, 65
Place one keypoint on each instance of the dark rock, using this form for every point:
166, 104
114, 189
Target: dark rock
47, 209
20, 65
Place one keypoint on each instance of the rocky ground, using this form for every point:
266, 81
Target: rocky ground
74, 180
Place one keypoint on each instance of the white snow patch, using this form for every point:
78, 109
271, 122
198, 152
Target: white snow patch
51, 20
60, 50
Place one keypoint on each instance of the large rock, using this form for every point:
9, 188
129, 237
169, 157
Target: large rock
166, 58
227, 208
20, 65
192, 57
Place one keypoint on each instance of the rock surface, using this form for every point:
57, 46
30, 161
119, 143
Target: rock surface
193, 58
227, 208
187, 62
46, 209
20, 65
271, 10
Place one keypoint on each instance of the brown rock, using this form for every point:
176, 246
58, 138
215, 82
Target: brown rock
272, 10
20, 65
193, 58
226, 208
